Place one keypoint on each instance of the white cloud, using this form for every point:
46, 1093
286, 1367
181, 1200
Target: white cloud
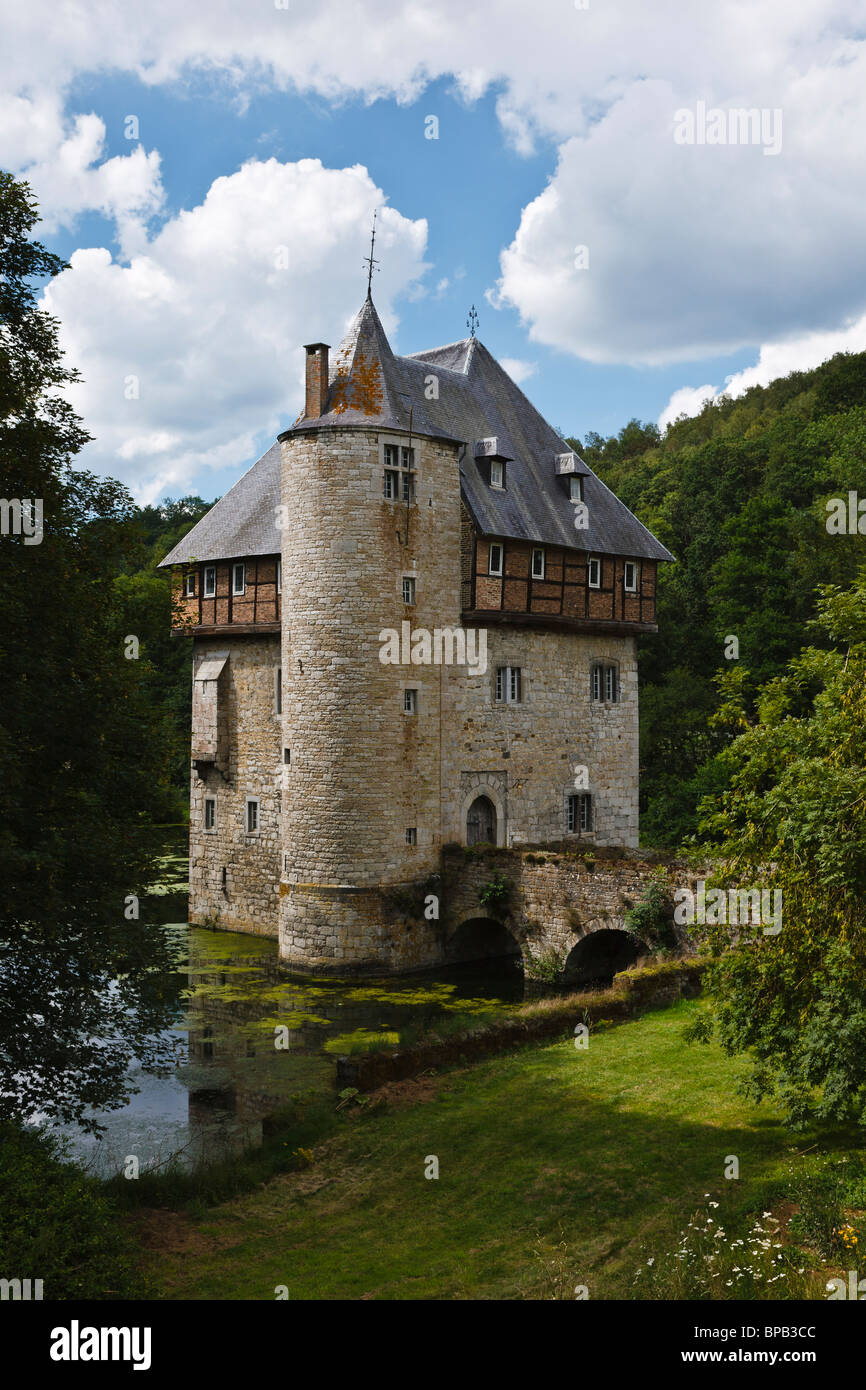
693, 250
518, 369
688, 400
774, 360
192, 352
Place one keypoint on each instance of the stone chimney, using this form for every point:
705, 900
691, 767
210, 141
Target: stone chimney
317, 380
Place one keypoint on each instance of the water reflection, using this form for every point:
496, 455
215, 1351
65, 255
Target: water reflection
248, 1037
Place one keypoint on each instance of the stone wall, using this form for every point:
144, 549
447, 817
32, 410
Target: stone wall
247, 764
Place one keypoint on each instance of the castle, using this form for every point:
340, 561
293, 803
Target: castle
413, 623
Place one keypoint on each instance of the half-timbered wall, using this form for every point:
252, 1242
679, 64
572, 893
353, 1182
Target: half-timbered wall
259, 604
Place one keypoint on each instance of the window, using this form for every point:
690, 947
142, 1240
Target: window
278, 690
210, 581
239, 578
189, 586
538, 563
279, 576
410, 701
594, 572
494, 559
605, 682
287, 756
509, 685
579, 812
412, 835
575, 487
630, 580
408, 589
252, 815
398, 482
497, 473
210, 813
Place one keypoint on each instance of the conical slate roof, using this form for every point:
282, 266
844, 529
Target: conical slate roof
473, 399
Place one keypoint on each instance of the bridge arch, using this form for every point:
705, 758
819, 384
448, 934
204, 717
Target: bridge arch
601, 954
479, 938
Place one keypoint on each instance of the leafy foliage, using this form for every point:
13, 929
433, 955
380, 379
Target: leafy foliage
82, 753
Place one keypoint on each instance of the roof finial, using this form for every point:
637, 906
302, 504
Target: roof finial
472, 321
371, 260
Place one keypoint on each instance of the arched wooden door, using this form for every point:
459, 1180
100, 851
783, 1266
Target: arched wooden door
481, 822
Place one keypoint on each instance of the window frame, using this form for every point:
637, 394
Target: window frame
411, 835
399, 470
410, 700
278, 690
189, 584
279, 576
495, 573
604, 675
508, 680
634, 567
596, 561
209, 801
256, 829
538, 550
575, 480
239, 592
209, 590
499, 481
579, 813
409, 579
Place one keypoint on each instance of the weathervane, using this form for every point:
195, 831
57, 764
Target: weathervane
472, 321
371, 260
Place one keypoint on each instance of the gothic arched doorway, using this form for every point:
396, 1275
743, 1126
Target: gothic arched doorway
481, 822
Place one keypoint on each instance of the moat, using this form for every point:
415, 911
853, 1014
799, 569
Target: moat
235, 1004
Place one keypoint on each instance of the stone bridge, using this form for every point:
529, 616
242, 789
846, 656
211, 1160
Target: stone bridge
571, 904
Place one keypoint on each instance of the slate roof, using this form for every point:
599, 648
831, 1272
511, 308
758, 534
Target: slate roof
370, 387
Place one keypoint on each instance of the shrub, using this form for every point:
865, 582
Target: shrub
60, 1226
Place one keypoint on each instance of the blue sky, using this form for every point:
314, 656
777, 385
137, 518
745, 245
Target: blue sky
554, 132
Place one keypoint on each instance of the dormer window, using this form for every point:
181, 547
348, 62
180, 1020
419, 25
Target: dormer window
538, 562
497, 473
630, 577
575, 487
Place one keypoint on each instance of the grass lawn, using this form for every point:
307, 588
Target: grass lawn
608, 1150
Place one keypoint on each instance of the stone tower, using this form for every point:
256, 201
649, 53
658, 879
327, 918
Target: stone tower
361, 782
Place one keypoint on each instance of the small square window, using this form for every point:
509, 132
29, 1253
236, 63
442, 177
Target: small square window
210, 581
605, 682
210, 813
189, 586
579, 812
412, 835
594, 572
410, 701
497, 473
538, 563
509, 685
630, 577
239, 578
494, 560
252, 815
575, 487
408, 589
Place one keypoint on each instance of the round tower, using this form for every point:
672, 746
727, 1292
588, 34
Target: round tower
370, 556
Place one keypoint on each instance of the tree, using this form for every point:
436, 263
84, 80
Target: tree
794, 820
84, 983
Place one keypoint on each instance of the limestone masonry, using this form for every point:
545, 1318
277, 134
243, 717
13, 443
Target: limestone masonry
414, 625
